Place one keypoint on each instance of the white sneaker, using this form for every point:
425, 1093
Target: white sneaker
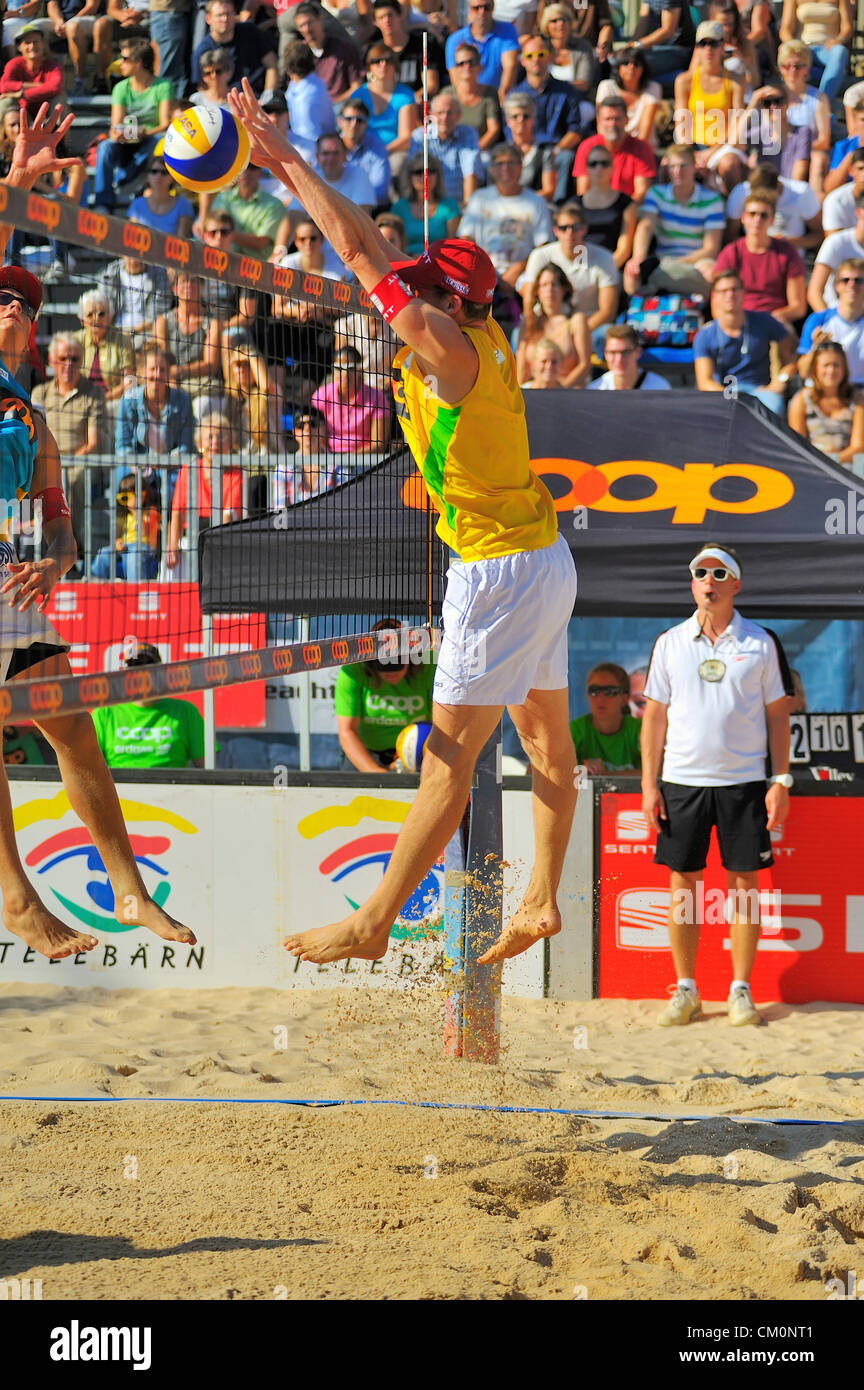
682, 1008
741, 1009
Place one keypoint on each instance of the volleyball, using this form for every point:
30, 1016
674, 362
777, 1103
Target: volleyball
206, 148
410, 743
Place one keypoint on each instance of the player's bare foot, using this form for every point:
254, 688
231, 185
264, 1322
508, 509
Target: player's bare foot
355, 938
530, 923
143, 912
45, 933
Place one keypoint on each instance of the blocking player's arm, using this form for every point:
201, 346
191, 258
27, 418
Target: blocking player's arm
653, 738
34, 153
31, 583
444, 352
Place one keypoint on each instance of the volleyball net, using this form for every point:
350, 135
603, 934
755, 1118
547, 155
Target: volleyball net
234, 471
240, 501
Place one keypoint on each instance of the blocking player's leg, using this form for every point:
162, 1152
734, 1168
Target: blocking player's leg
542, 723
458, 734
24, 915
93, 797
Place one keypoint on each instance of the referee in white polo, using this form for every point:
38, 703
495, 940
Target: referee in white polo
715, 706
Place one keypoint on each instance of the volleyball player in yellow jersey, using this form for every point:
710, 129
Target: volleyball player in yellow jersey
511, 591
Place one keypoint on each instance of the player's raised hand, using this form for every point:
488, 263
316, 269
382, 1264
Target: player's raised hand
35, 151
270, 148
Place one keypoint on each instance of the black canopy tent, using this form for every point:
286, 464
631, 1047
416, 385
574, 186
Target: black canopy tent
641, 480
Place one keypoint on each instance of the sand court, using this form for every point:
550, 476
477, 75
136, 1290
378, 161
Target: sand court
219, 1201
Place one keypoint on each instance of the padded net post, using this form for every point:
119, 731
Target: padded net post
473, 909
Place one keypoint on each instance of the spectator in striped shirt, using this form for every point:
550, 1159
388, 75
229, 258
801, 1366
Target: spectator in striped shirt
684, 221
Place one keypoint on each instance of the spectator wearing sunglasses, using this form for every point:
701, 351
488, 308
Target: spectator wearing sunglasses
497, 43
479, 107
365, 150
716, 708
708, 111
162, 205
557, 119
217, 70
606, 739
843, 324
734, 349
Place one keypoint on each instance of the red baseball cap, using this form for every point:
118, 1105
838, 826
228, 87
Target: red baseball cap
14, 277
454, 263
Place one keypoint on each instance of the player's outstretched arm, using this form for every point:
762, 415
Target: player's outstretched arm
350, 231
35, 152
444, 351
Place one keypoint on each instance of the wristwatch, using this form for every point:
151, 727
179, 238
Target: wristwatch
784, 376
784, 779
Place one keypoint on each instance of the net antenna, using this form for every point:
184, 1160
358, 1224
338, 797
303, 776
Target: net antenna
425, 140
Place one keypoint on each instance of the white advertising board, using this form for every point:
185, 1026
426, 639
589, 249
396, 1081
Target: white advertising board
243, 866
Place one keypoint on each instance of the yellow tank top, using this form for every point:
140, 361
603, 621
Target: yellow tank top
707, 129
474, 455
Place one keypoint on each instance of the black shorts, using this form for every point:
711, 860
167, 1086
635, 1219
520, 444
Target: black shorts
25, 657
738, 812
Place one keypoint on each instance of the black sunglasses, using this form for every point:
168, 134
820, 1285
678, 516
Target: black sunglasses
594, 690
10, 297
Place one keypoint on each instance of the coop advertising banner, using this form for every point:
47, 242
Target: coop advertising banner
812, 944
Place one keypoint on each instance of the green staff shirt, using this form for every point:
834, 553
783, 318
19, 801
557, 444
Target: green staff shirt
618, 752
166, 733
384, 709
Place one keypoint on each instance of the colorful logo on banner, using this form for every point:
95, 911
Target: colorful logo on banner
66, 862
358, 859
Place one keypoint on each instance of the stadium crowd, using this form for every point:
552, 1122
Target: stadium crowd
678, 195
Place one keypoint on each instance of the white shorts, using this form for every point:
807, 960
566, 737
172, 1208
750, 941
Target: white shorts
505, 627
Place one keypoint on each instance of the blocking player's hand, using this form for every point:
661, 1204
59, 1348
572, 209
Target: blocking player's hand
31, 583
777, 805
654, 807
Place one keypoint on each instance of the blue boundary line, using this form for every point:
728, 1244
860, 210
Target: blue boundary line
430, 1105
